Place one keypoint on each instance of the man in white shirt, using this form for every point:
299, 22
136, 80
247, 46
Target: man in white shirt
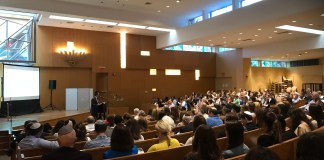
90, 126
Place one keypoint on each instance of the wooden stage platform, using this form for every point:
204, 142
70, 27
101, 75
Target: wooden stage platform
48, 116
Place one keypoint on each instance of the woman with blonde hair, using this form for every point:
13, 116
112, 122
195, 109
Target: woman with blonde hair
165, 140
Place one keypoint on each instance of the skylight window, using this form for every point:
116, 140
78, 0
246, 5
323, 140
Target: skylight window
249, 2
221, 11
300, 29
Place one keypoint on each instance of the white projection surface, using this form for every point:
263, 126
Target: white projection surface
20, 83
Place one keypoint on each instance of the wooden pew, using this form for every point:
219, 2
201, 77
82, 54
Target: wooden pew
183, 137
5, 140
251, 137
286, 150
176, 129
96, 153
79, 145
151, 122
149, 134
219, 129
168, 154
146, 144
222, 143
240, 157
151, 127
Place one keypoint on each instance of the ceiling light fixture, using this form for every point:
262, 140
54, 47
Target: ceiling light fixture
158, 11
253, 40
100, 22
167, 6
224, 37
210, 40
66, 18
178, 1
256, 35
241, 33
311, 24
160, 29
289, 33
294, 21
259, 29
322, 15
275, 31
270, 37
131, 25
300, 29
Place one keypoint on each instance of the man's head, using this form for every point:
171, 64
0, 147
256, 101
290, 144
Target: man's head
315, 95
91, 120
34, 129
100, 126
66, 136
136, 111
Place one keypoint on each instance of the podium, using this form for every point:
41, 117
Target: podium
78, 98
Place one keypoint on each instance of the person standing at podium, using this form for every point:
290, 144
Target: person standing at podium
96, 106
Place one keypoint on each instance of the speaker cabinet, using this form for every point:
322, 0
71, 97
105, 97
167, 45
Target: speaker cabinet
52, 84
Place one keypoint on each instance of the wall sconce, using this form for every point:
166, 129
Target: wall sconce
72, 55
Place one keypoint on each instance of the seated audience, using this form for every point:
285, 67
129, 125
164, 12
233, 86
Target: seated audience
310, 146
110, 125
32, 140
261, 153
204, 145
187, 122
300, 124
66, 139
247, 122
122, 143
165, 141
59, 124
213, 119
272, 129
316, 112
235, 135
198, 120
142, 122
133, 126
118, 120
81, 132
90, 126
101, 140
136, 113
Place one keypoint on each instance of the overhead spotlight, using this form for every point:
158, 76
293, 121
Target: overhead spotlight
178, 1
167, 6
210, 40
270, 37
299, 55
294, 21
241, 33
259, 29
311, 24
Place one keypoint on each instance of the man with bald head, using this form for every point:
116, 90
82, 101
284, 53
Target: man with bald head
66, 139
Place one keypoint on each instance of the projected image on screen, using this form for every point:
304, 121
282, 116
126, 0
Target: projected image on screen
20, 83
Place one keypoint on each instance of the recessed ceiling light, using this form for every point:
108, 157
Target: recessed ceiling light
211, 44
238, 43
131, 25
259, 29
270, 37
225, 42
167, 6
300, 29
306, 52
322, 15
210, 40
197, 43
100, 22
239, 39
256, 35
289, 33
299, 55
311, 24
224, 37
158, 11
275, 31
287, 54
160, 29
294, 21
241, 33
178, 1
66, 18
253, 40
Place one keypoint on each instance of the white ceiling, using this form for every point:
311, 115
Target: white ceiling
176, 16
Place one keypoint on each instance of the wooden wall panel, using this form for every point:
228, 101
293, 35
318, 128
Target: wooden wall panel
132, 84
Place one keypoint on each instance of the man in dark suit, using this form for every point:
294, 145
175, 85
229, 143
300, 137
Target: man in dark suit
97, 107
66, 139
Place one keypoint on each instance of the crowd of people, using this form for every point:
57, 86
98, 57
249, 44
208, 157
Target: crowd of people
239, 111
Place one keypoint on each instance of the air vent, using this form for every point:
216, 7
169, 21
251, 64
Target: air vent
249, 39
284, 32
